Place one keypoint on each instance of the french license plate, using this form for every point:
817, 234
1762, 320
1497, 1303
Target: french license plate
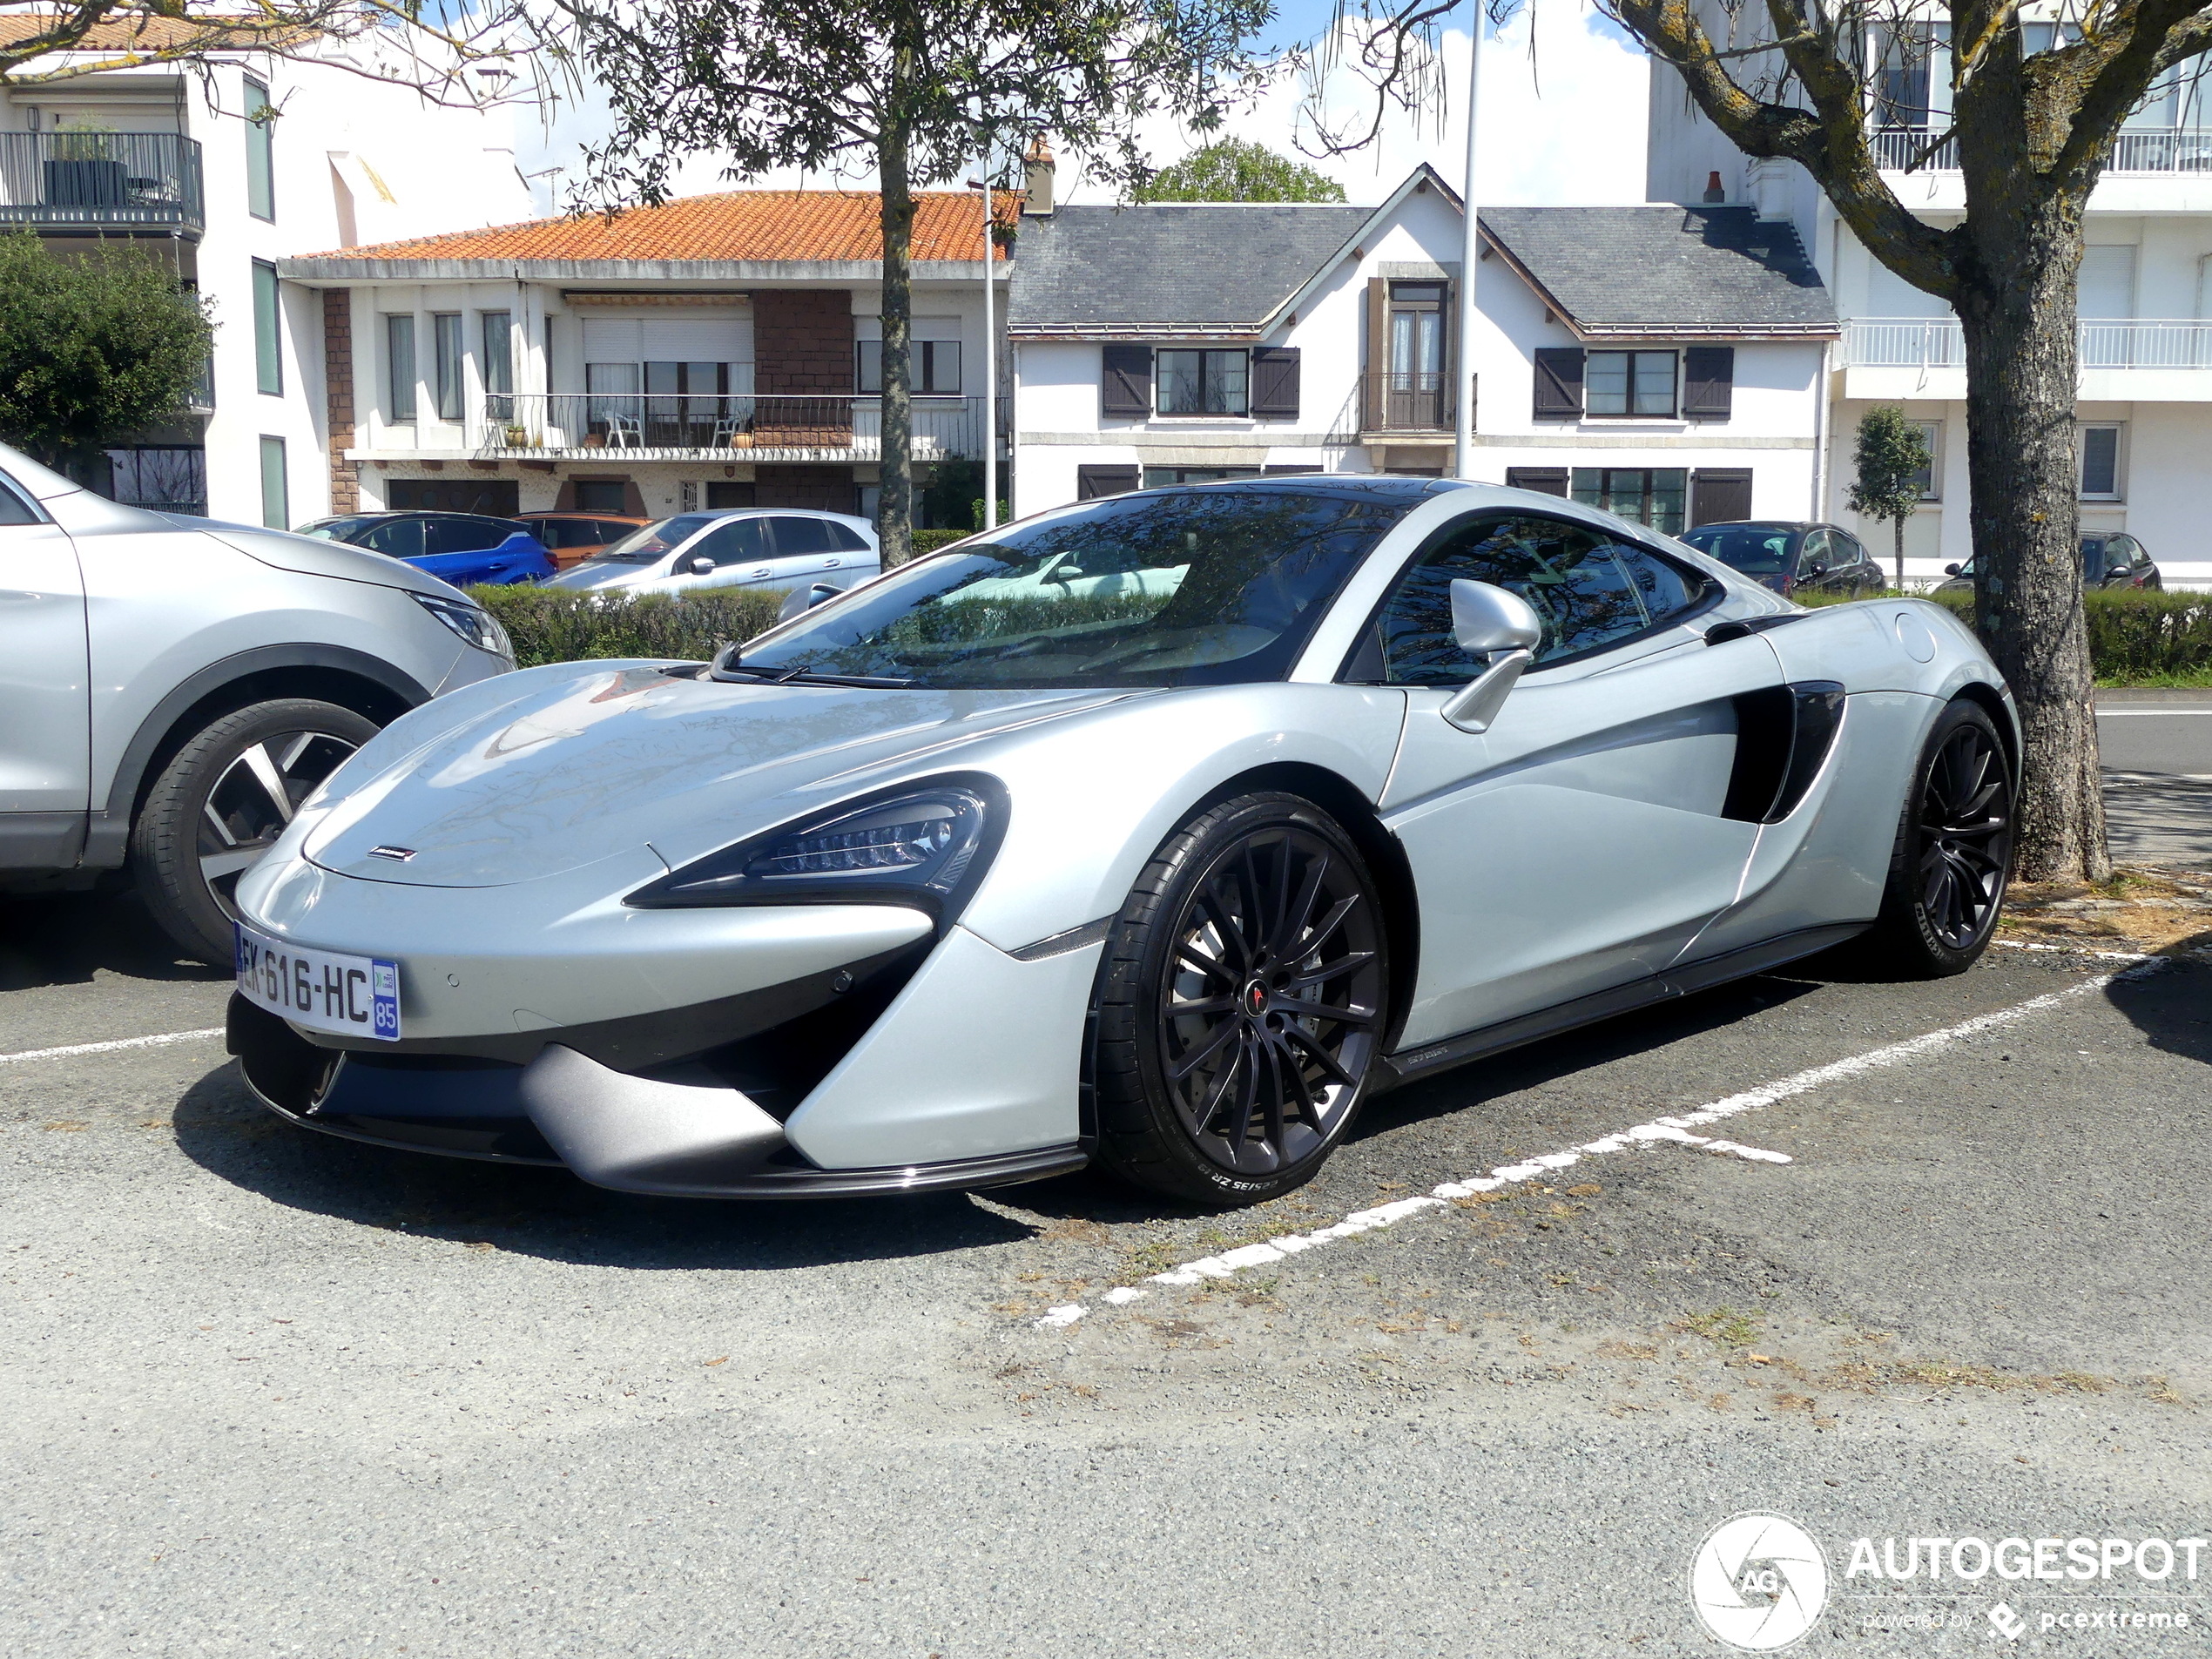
353, 995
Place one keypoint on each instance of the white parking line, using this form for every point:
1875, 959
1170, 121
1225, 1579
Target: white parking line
1671, 1129
160, 1040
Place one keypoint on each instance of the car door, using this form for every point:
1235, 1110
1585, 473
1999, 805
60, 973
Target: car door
45, 740
463, 550
395, 538
1855, 572
816, 550
1584, 839
742, 553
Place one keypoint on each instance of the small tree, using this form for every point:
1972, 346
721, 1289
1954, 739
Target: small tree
1235, 171
91, 346
915, 89
1893, 454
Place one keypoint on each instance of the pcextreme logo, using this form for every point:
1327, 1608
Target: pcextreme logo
1758, 1581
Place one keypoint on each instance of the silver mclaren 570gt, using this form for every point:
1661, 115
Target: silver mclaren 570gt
1160, 829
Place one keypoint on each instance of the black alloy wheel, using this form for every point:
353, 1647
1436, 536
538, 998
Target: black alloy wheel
1244, 1001
1955, 849
221, 803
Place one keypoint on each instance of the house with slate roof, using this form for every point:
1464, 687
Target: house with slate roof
1662, 361
715, 351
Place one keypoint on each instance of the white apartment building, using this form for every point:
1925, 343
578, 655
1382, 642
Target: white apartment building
2144, 433
1663, 362
223, 175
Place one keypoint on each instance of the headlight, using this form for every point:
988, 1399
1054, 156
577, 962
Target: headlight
479, 627
924, 845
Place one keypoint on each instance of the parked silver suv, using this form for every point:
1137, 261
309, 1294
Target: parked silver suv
171, 689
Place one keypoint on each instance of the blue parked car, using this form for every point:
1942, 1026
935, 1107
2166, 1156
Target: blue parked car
461, 548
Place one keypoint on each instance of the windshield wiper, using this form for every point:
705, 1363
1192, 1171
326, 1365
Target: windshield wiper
803, 677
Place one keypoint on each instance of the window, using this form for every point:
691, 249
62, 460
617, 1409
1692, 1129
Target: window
276, 493
498, 497
933, 367
1588, 592
1649, 495
796, 537
2098, 448
737, 541
446, 366
1158, 477
1202, 382
612, 396
15, 509
260, 159
167, 478
395, 538
399, 367
721, 494
458, 535
1630, 382
1927, 480
268, 331
612, 495
499, 351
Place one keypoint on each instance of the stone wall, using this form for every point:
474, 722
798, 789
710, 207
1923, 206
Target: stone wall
802, 341
338, 383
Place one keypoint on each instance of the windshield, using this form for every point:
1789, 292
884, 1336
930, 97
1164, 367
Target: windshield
1755, 549
657, 541
332, 529
1203, 587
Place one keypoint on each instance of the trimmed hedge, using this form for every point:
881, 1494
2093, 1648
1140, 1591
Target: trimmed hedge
565, 626
930, 541
2136, 637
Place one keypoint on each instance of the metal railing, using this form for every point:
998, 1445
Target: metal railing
733, 426
1401, 400
1937, 342
62, 181
2134, 150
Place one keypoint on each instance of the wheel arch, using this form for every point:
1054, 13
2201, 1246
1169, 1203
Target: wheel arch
1992, 702
1385, 853
352, 679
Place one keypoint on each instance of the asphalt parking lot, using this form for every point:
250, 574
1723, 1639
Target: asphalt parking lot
269, 1392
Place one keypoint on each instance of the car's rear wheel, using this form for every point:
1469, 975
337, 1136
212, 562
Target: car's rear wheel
221, 801
1241, 1004
1953, 854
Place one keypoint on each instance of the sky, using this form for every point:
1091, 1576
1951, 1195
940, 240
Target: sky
1562, 124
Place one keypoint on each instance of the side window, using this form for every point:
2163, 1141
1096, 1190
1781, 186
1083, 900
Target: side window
1816, 550
848, 538
736, 541
1588, 590
14, 509
464, 535
797, 538
398, 538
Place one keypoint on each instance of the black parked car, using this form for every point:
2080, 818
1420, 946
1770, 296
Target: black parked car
1790, 557
459, 547
2109, 559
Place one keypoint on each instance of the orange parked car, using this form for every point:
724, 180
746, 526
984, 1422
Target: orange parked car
573, 537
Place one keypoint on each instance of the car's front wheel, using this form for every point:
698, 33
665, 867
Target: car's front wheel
221, 801
1953, 852
1241, 1004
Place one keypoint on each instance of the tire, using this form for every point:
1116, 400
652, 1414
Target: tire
1953, 854
221, 800
1212, 1083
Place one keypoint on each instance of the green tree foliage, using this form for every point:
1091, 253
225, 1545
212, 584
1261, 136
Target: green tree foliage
93, 345
1235, 171
1885, 485
915, 89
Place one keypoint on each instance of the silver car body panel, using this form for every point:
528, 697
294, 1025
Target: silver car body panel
1575, 849
839, 567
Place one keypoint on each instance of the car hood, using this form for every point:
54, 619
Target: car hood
312, 555
594, 760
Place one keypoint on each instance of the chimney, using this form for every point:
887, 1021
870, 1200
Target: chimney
1036, 181
1715, 191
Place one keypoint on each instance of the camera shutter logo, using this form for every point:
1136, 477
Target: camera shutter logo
1758, 1581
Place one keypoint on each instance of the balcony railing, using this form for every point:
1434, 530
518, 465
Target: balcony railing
738, 427
1936, 342
2135, 150
1399, 401
80, 182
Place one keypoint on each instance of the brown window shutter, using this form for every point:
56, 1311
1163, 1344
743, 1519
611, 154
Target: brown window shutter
1275, 382
1707, 383
1559, 382
1125, 384
1091, 483
1719, 496
1545, 480
1376, 403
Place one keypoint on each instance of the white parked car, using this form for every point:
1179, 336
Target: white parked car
747, 547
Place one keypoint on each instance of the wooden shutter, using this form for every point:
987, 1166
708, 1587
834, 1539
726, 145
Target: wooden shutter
1707, 383
1275, 382
1376, 405
1091, 483
1719, 496
1559, 382
1125, 384
1545, 480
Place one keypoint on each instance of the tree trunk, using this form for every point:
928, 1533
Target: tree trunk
2016, 303
1897, 530
894, 514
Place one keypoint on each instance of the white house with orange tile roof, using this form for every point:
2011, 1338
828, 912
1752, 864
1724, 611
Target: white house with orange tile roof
712, 351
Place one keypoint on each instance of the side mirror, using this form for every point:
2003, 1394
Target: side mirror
800, 601
1489, 622
1951, 569
1816, 570
699, 564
